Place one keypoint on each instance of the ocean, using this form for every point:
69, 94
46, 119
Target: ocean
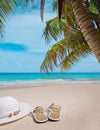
23, 78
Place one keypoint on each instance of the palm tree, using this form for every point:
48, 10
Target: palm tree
82, 18
66, 52
70, 49
85, 24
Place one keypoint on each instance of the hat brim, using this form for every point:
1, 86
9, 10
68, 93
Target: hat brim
25, 110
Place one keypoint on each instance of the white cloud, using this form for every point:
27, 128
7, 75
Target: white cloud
27, 29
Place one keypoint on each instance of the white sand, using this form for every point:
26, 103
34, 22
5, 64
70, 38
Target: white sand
80, 106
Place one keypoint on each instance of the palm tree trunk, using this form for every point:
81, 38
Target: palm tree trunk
86, 27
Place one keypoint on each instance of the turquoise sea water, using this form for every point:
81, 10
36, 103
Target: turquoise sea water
31, 77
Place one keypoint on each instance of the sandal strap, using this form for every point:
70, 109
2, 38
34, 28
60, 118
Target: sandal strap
37, 108
54, 106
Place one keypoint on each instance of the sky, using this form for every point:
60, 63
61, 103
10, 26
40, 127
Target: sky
23, 48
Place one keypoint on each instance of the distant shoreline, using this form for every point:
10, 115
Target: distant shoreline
41, 83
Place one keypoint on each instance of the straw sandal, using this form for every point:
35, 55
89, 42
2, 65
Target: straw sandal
54, 112
39, 115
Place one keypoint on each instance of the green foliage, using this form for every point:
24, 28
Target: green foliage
6, 6
93, 8
96, 3
74, 56
73, 47
54, 29
66, 52
9, 6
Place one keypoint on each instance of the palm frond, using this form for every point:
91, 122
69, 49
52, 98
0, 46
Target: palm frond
54, 55
54, 29
69, 48
6, 6
49, 62
68, 13
73, 41
9, 6
75, 56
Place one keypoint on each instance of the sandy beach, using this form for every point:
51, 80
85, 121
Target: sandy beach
80, 104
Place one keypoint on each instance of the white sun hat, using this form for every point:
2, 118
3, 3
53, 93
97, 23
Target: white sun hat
12, 110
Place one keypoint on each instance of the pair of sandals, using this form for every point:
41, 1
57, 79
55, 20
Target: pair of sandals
53, 113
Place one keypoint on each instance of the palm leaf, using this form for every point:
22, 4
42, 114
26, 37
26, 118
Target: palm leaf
49, 62
75, 56
69, 48
68, 13
6, 6
54, 29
